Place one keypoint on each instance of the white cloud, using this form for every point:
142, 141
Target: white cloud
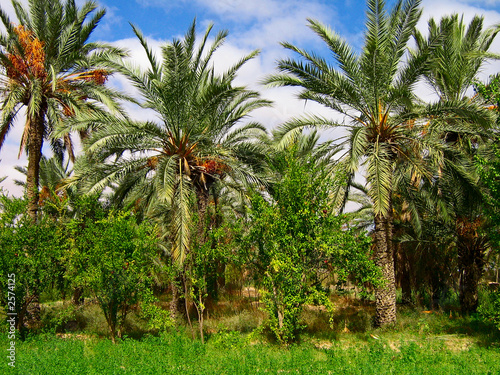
468, 8
9, 158
481, 2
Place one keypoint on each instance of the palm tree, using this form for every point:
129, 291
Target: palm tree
167, 168
372, 91
48, 67
454, 65
58, 201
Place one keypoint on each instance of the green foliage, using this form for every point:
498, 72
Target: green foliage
29, 255
206, 254
176, 354
489, 167
490, 175
489, 306
80, 236
158, 319
112, 256
55, 320
295, 241
491, 91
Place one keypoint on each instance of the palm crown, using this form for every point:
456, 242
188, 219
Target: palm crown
48, 67
388, 129
371, 89
167, 165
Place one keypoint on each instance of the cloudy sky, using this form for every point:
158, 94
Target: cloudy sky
252, 24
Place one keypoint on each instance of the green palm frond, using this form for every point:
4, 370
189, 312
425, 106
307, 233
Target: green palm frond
380, 169
65, 79
166, 167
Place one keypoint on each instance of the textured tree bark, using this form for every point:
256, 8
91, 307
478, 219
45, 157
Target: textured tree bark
203, 198
78, 298
35, 142
385, 295
203, 195
112, 328
175, 303
36, 129
471, 263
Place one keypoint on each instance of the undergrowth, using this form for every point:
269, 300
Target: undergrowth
74, 340
233, 353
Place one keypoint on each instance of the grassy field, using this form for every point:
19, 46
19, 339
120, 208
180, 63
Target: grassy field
422, 342
232, 353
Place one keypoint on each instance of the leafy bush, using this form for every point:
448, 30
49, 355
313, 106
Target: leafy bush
56, 319
295, 241
29, 257
489, 306
112, 256
158, 319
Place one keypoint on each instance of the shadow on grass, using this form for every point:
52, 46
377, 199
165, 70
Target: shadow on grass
233, 316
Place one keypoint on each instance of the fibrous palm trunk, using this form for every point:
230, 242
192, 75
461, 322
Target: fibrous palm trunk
203, 195
36, 129
470, 261
35, 143
385, 295
176, 303
203, 198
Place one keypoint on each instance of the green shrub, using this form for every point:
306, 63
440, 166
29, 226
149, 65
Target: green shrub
56, 319
29, 257
112, 256
489, 306
158, 319
295, 240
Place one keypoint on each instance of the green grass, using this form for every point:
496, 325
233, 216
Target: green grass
233, 353
439, 342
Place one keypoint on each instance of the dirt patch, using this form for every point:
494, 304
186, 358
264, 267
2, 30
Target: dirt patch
74, 336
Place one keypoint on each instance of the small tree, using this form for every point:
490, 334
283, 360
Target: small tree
199, 264
113, 256
489, 168
294, 238
28, 258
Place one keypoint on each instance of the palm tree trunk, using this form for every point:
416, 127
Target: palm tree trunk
385, 295
35, 143
203, 195
403, 273
470, 262
175, 303
78, 298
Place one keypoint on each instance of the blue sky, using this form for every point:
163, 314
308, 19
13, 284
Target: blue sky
162, 19
252, 24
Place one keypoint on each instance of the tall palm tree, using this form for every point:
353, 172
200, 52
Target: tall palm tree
372, 91
454, 65
58, 201
48, 67
167, 167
